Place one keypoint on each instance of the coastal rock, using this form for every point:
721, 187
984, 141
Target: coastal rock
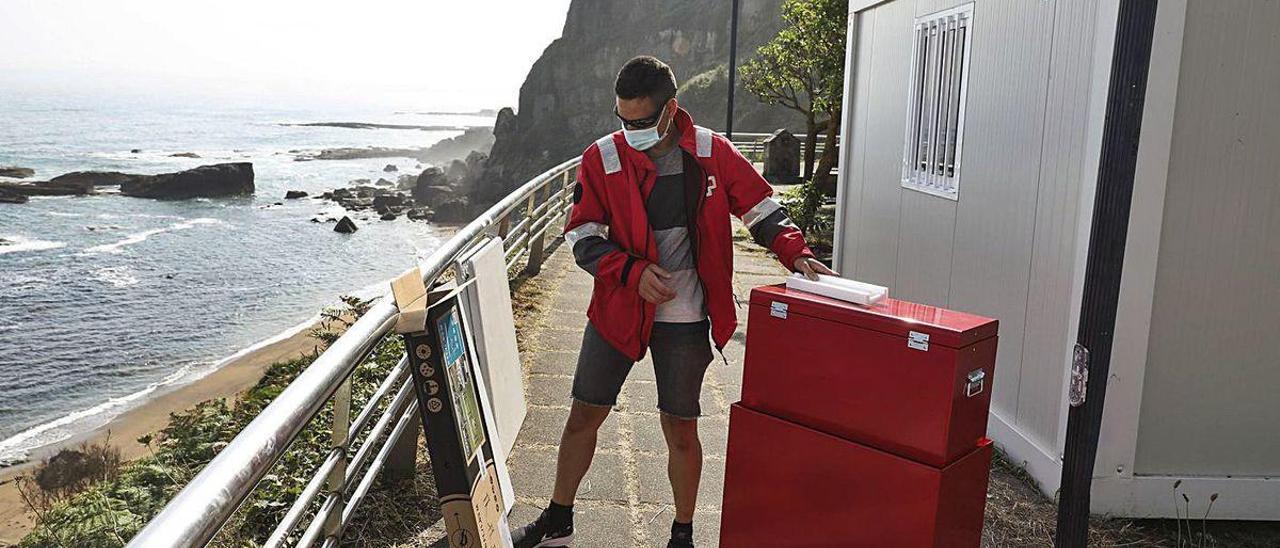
357, 153
457, 210
356, 204
389, 200
16, 172
10, 197
202, 182
572, 81
135, 151
432, 177
418, 214
383, 182
48, 188
390, 168
367, 125
505, 123
98, 178
388, 216
436, 194
345, 226
476, 139
184, 155
294, 194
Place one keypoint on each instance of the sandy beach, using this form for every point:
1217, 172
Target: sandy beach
123, 431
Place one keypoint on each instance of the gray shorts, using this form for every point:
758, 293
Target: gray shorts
681, 353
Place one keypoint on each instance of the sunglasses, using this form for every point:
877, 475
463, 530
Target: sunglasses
640, 123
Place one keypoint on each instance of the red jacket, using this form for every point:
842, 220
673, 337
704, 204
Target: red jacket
610, 233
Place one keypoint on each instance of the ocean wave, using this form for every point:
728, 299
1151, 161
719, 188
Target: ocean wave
19, 283
137, 215
140, 237
16, 447
14, 244
117, 276
63, 214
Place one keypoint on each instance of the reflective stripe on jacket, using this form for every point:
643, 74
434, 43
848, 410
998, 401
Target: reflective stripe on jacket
609, 230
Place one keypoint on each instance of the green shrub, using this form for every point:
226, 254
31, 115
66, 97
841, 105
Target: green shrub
113, 509
804, 203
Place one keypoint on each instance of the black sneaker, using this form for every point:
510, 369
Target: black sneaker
542, 533
680, 540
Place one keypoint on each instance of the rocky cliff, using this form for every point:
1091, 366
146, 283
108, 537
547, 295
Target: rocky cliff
567, 99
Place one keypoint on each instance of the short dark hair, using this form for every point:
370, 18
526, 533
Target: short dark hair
646, 76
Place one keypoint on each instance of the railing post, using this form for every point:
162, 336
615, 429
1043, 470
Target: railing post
537, 241
504, 226
402, 463
335, 485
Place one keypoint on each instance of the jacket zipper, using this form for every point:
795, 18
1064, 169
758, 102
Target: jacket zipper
694, 240
644, 305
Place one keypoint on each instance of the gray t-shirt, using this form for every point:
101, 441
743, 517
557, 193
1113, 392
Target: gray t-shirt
668, 211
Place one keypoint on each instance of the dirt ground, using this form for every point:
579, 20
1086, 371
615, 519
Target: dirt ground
1018, 515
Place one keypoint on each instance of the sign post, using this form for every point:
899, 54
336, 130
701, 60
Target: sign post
454, 415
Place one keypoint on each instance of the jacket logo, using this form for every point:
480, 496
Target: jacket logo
711, 184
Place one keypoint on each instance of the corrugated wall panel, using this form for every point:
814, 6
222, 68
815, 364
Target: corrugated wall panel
1005, 248
854, 152
876, 226
1000, 174
1209, 404
928, 223
924, 248
1047, 339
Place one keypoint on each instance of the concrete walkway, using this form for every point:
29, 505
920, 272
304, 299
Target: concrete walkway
625, 500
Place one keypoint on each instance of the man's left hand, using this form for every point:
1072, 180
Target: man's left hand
811, 267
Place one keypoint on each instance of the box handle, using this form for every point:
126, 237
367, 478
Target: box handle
977, 381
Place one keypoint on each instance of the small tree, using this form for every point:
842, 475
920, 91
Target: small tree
802, 69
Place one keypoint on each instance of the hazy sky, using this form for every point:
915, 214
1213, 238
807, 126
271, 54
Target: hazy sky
447, 54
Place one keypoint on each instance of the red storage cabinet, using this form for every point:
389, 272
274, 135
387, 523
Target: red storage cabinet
788, 486
910, 379
859, 426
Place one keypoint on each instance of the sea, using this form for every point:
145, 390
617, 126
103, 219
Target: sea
107, 300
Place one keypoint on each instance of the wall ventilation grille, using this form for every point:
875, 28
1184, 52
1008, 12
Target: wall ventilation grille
935, 113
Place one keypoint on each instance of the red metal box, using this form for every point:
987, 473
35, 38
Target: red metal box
911, 379
791, 486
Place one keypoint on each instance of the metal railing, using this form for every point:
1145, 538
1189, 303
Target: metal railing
196, 514
751, 145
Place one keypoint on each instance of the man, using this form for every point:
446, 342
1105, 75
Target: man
650, 222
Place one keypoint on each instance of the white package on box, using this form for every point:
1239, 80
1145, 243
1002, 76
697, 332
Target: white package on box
839, 288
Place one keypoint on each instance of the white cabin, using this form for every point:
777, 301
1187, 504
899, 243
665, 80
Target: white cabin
972, 188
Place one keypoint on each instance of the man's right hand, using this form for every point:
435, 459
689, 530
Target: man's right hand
653, 287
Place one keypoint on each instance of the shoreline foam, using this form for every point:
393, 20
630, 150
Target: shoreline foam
227, 378
14, 453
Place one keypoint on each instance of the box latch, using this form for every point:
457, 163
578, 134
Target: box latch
918, 340
977, 381
778, 310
